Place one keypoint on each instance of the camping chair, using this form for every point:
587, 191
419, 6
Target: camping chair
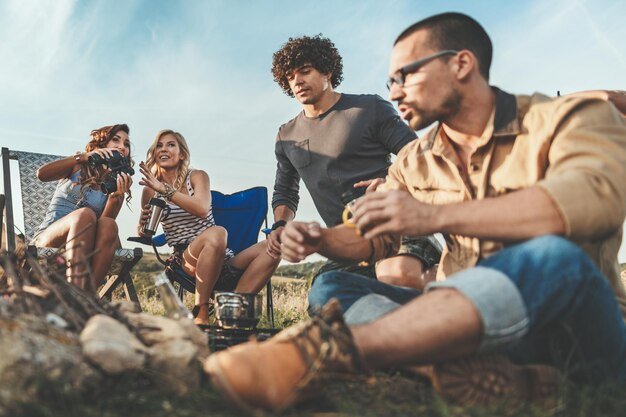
2, 200
36, 195
242, 214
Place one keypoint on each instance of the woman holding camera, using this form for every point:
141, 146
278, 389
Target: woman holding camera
198, 243
81, 216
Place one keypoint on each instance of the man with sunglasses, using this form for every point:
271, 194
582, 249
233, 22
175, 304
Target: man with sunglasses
338, 140
529, 193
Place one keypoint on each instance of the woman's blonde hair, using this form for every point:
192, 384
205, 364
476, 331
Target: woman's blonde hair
183, 165
93, 177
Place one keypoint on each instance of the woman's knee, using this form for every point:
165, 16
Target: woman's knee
404, 271
107, 229
215, 238
261, 252
84, 216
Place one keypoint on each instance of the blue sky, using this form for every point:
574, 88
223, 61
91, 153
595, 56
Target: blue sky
203, 68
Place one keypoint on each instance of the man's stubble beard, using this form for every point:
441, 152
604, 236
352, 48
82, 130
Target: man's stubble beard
448, 108
309, 100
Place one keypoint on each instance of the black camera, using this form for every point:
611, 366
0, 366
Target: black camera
117, 164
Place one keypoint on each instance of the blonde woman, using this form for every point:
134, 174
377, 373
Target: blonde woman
190, 228
80, 215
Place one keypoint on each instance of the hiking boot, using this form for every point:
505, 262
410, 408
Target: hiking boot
487, 379
276, 373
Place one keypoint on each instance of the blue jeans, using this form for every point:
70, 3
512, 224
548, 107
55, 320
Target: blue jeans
541, 301
376, 297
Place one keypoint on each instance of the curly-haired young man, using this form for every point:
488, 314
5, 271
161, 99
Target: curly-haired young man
336, 141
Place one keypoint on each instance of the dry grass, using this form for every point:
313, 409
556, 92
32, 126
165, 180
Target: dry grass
289, 299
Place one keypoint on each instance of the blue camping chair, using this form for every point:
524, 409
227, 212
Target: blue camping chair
242, 214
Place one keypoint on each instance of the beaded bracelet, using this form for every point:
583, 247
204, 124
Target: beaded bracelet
168, 193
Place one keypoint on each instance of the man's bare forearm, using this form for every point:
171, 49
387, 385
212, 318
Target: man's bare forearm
342, 243
516, 216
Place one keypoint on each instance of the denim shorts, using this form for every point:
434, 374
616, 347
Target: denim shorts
425, 248
229, 278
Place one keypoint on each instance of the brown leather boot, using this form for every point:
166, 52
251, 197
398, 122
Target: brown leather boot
275, 374
487, 379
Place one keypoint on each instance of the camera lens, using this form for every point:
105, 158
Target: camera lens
95, 160
109, 185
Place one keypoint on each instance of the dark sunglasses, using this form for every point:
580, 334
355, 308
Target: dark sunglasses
400, 75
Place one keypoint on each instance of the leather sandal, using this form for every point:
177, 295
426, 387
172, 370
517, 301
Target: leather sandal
210, 308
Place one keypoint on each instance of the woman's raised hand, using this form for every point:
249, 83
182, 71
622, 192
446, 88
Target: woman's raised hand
106, 153
143, 219
124, 181
149, 180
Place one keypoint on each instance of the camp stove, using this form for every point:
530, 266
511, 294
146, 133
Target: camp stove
221, 338
237, 316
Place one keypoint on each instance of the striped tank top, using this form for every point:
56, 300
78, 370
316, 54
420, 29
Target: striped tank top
181, 227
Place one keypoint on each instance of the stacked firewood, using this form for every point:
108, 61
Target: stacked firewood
40, 288
54, 330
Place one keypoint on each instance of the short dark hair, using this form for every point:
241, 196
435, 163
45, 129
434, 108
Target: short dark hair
318, 51
455, 31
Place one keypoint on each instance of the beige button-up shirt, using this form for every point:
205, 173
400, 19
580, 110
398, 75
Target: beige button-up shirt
573, 148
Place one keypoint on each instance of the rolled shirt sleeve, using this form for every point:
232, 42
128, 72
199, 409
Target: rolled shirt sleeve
586, 177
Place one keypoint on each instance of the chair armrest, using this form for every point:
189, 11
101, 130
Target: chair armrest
158, 240
144, 240
155, 242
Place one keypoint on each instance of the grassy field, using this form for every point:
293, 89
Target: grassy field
290, 286
388, 394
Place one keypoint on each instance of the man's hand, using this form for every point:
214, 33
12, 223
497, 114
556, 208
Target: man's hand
299, 240
371, 185
273, 243
393, 212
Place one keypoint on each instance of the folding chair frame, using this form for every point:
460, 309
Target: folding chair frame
125, 259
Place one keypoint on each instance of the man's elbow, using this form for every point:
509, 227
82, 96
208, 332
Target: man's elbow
618, 98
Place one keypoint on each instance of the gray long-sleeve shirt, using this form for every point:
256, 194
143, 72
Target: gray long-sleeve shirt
352, 141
